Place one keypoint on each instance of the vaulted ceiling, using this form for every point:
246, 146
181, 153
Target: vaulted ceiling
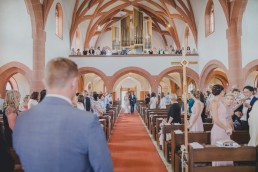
101, 14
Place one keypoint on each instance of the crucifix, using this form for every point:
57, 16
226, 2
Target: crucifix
184, 63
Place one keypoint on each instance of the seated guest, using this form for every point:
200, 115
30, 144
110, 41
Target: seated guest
150, 51
73, 52
174, 112
161, 51
123, 52
253, 125
61, 137
188, 50
98, 51
85, 52
103, 51
78, 52
34, 97
91, 51
195, 121
243, 111
11, 109
155, 51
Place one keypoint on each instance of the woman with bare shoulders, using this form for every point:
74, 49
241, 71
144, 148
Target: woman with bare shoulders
195, 121
221, 112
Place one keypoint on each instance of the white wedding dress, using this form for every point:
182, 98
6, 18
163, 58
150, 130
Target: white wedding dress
126, 103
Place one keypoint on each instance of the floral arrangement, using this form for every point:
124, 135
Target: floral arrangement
183, 157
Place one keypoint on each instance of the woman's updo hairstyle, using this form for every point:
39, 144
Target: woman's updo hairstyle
216, 89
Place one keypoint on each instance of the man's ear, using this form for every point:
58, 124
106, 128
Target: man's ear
44, 82
74, 82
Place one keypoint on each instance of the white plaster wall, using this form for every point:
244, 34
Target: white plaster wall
153, 64
251, 78
56, 47
129, 83
15, 33
250, 32
105, 40
23, 84
215, 45
157, 41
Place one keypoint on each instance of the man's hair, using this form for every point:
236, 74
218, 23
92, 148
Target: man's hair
58, 71
235, 89
250, 88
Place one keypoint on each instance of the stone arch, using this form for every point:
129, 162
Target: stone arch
189, 72
135, 70
207, 70
85, 70
250, 67
9, 69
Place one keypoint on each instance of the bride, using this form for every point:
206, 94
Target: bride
126, 103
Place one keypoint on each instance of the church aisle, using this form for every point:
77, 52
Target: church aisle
131, 147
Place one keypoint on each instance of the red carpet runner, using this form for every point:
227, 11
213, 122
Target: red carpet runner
131, 147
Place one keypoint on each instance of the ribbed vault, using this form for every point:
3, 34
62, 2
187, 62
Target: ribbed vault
101, 14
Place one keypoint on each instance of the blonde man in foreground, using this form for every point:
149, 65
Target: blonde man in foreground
55, 136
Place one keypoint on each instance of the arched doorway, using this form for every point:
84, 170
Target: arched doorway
217, 76
93, 82
251, 73
173, 83
15, 76
133, 83
171, 80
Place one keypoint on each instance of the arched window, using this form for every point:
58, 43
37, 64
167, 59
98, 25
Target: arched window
209, 18
59, 21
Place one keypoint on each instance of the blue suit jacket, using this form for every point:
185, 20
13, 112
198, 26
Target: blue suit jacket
240, 108
54, 136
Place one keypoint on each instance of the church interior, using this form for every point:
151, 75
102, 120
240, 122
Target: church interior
152, 49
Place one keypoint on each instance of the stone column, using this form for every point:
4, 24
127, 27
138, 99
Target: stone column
39, 40
154, 84
235, 75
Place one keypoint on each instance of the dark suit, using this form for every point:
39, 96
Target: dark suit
91, 51
132, 100
54, 136
87, 104
244, 124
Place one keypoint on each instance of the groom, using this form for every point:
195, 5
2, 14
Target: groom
132, 100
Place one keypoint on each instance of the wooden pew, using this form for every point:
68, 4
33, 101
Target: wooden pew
103, 122
153, 124
178, 139
241, 137
246, 154
152, 112
167, 144
163, 114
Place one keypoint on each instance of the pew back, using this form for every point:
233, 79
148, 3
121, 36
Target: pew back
211, 153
